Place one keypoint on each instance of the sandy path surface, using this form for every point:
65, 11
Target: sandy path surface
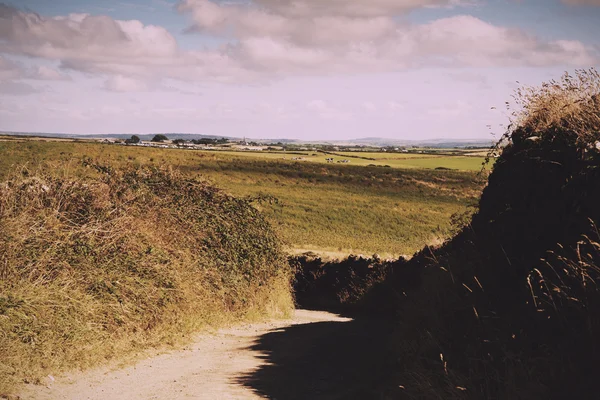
212, 367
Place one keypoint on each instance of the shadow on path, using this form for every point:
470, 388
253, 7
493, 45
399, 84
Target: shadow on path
323, 360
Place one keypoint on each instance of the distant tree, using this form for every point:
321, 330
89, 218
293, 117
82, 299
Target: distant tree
134, 139
204, 141
179, 141
159, 138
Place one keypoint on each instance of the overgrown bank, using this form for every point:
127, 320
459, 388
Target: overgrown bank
91, 269
510, 307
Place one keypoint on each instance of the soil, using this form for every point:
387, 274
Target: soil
234, 363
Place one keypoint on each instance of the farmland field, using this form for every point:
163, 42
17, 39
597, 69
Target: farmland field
393, 160
326, 208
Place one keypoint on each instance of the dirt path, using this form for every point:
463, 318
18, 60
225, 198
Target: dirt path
228, 365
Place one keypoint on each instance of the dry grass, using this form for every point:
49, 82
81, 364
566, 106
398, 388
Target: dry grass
570, 105
93, 269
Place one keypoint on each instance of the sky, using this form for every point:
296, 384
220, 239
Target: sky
296, 69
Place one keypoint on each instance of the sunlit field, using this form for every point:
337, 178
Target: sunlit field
393, 160
327, 208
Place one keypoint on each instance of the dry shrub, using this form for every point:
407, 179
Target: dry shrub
569, 105
98, 268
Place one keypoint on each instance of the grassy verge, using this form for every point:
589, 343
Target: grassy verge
98, 267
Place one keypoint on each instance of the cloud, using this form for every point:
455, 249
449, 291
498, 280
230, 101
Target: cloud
122, 84
100, 45
350, 8
582, 2
45, 73
17, 88
9, 69
308, 36
82, 36
273, 38
82, 39
468, 41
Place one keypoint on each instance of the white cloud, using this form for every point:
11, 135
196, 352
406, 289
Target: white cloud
83, 37
119, 83
81, 40
45, 73
273, 38
468, 41
308, 36
11, 70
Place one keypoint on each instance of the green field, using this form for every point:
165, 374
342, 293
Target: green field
394, 160
328, 208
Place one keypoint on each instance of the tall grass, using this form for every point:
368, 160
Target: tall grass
95, 268
569, 105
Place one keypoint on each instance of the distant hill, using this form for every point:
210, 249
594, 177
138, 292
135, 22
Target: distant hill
368, 141
142, 136
438, 143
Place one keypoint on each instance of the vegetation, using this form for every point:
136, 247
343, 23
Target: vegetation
517, 304
462, 162
333, 209
340, 285
210, 141
510, 307
95, 258
159, 138
133, 140
102, 265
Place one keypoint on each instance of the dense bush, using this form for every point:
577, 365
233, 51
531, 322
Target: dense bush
510, 307
94, 268
341, 285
